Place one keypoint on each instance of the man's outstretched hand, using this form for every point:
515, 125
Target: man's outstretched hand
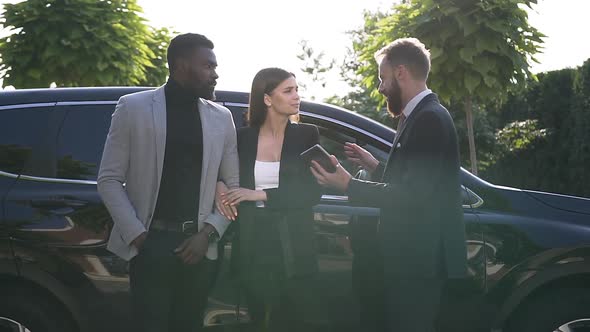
360, 157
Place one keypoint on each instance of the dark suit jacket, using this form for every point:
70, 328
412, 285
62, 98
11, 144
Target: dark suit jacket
291, 202
421, 228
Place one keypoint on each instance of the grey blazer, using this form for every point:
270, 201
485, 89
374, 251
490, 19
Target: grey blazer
132, 161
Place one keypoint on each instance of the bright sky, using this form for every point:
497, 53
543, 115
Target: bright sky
255, 34
250, 35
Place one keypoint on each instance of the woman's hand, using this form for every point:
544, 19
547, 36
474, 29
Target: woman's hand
233, 197
226, 210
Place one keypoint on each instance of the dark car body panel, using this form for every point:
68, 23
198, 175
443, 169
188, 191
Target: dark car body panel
562, 202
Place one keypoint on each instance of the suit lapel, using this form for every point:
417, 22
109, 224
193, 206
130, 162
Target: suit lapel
208, 128
251, 147
159, 116
402, 131
411, 118
399, 133
287, 148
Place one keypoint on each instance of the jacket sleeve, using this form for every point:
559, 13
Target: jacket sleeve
425, 163
303, 191
378, 172
112, 175
229, 173
229, 170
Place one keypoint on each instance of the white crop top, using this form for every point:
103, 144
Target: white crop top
266, 176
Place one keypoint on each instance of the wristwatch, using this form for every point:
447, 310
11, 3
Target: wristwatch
212, 236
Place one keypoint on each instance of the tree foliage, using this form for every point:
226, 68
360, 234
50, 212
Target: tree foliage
479, 49
554, 151
80, 43
157, 71
314, 66
359, 99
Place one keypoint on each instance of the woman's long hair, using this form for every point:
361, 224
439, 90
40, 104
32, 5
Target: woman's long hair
265, 81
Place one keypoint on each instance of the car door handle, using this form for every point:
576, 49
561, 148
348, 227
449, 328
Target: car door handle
56, 203
360, 211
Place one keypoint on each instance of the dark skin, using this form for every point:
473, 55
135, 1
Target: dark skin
195, 72
194, 248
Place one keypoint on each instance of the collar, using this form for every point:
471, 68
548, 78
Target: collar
177, 94
414, 102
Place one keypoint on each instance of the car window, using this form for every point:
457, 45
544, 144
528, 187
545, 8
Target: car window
81, 141
333, 142
20, 131
239, 115
332, 138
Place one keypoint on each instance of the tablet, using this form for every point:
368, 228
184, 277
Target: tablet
320, 155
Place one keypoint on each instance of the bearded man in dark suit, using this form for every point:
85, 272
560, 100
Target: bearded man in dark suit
421, 231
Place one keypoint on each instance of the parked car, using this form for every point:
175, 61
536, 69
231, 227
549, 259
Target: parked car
528, 252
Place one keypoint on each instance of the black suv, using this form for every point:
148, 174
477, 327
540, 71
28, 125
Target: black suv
528, 252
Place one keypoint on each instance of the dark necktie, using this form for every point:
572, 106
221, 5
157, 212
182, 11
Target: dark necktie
402, 119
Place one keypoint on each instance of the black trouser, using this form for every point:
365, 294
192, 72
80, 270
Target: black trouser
367, 273
367, 284
276, 302
412, 304
284, 312
166, 294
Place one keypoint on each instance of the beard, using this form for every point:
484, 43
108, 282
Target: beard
394, 100
205, 92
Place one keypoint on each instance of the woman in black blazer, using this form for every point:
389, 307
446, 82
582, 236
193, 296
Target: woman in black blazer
274, 252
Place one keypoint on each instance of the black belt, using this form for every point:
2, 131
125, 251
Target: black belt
186, 227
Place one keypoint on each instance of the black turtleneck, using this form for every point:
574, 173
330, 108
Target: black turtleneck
178, 198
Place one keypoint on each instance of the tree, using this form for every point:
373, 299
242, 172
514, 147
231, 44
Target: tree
314, 66
359, 99
80, 43
544, 144
157, 71
479, 49
579, 140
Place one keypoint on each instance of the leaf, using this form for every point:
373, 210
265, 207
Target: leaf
101, 66
467, 54
496, 25
34, 73
467, 24
484, 43
490, 81
435, 53
449, 10
472, 81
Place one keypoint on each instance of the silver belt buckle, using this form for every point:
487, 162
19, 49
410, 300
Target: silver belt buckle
186, 224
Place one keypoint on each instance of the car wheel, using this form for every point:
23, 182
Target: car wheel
22, 310
557, 310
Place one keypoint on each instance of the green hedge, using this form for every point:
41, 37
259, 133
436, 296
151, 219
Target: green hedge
559, 161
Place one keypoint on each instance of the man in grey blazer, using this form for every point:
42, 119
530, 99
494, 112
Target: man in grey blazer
164, 153
421, 231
